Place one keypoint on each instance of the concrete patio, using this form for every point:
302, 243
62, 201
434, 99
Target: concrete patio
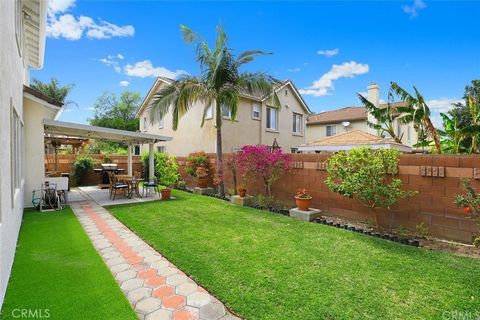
102, 196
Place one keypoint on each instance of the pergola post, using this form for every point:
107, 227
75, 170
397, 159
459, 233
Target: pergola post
151, 164
129, 159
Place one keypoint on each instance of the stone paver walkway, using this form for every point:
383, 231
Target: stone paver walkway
156, 289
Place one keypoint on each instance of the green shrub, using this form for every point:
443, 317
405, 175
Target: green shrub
81, 166
166, 168
196, 160
367, 176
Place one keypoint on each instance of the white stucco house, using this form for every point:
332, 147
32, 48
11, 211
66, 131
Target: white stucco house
26, 116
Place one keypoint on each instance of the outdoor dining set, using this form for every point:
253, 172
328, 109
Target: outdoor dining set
129, 185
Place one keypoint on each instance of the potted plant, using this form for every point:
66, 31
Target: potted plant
167, 170
242, 190
303, 199
202, 175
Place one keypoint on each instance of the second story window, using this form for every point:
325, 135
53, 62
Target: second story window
209, 112
256, 111
226, 112
272, 117
331, 130
145, 124
160, 122
297, 123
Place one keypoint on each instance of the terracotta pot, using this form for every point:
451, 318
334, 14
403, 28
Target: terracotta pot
166, 193
202, 182
303, 203
242, 192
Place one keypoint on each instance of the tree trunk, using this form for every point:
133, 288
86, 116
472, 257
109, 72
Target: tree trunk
234, 174
218, 117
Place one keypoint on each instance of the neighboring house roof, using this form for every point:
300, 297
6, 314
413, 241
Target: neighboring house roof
282, 85
42, 96
345, 114
353, 139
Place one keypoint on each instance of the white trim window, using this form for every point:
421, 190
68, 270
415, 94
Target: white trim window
161, 149
145, 125
297, 123
272, 118
16, 150
226, 112
331, 130
160, 122
256, 111
136, 150
209, 112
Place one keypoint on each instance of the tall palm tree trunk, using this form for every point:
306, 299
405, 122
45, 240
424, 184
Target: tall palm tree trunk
218, 117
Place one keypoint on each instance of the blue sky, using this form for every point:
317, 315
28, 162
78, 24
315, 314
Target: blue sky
331, 50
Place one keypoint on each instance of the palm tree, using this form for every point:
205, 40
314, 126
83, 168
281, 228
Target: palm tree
418, 112
219, 84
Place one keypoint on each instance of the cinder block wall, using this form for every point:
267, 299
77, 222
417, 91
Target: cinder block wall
435, 177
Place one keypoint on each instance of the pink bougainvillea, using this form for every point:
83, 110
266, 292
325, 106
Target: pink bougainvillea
262, 163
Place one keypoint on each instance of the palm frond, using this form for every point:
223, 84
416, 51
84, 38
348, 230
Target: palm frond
248, 56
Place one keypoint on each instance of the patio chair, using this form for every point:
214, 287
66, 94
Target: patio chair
118, 185
150, 184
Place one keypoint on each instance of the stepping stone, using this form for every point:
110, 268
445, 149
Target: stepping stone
212, 311
148, 305
138, 294
160, 314
176, 280
125, 275
131, 284
119, 268
198, 299
187, 288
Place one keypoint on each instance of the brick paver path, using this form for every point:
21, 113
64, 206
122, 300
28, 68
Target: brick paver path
156, 289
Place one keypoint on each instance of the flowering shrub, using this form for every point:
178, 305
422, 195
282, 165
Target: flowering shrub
303, 194
260, 162
195, 160
201, 172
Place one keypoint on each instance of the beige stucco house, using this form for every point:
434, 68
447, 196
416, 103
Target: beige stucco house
256, 123
348, 119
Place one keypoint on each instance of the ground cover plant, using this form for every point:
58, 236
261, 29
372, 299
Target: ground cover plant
268, 266
58, 274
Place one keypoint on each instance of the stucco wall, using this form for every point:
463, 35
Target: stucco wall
11, 93
244, 130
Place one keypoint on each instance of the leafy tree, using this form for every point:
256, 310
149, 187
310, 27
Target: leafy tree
261, 162
367, 175
384, 117
54, 90
418, 112
452, 134
219, 85
166, 168
117, 113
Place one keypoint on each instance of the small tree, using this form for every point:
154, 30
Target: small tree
231, 163
196, 160
260, 162
366, 175
166, 169
81, 167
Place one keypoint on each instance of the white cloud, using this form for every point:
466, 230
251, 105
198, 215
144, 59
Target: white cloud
145, 69
414, 8
294, 70
442, 104
67, 26
119, 56
59, 6
345, 70
123, 83
328, 53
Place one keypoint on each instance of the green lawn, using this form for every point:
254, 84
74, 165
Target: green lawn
267, 266
57, 268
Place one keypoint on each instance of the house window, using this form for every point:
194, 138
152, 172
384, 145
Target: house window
226, 112
161, 149
272, 115
145, 124
136, 150
16, 152
297, 123
209, 112
236, 149
160, 122
293, 150
256, 111
286, 93
331, 130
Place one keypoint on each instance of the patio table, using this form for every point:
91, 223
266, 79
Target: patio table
133, 183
